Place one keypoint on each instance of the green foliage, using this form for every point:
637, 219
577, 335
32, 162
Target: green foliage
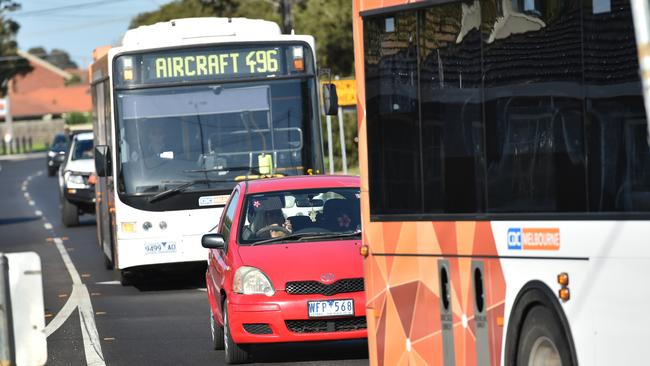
8, 47
74, 80
330, 22
77, 118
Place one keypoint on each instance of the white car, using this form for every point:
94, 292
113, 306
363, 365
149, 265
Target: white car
77, 179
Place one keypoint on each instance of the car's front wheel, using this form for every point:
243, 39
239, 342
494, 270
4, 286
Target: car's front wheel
69, 213
217, 334
234, 353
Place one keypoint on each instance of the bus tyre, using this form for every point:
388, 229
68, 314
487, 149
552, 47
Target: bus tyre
69, 213
542, 341
217, 334
234, 353
126, 278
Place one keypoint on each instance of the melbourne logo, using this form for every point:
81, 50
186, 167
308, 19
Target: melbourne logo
534, 239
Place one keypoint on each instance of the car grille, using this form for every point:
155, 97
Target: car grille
258, 328
315, 287
330, 325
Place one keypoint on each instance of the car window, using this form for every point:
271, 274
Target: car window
229, 215
83, 149
59, 142
322, 210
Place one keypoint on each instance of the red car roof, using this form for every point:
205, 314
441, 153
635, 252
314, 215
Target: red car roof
301, 182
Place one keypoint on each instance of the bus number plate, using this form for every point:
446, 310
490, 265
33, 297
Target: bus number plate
330, 308
160, 248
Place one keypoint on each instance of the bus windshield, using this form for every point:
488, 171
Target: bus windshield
216, 132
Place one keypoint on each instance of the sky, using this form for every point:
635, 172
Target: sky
76, 26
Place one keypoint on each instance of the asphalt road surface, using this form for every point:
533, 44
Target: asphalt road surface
161, 321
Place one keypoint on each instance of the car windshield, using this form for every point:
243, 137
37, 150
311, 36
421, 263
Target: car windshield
83, 149
313, 213
213, 132
59, 142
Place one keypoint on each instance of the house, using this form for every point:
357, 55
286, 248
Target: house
48, 91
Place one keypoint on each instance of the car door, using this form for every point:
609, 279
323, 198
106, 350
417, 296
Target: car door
218, 260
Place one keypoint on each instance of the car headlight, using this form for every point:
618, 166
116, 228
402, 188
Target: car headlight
252, 281
74, 181
51, 154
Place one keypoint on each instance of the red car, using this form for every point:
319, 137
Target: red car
285, 264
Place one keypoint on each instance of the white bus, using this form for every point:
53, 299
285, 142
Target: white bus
184, 109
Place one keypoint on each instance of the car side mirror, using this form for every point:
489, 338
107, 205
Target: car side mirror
213, 241
103, 165
330, 100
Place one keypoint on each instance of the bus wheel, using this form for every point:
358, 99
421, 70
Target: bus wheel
217, 333
126, 278
542, 341
235, 353
69, 213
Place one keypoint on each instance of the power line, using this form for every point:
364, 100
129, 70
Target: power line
49, 11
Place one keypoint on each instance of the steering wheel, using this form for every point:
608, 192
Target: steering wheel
270, 228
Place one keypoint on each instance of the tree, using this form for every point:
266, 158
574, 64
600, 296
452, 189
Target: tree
258, 9
330, 22
56, 57
10, 64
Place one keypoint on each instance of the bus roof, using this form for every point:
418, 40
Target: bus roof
192, 30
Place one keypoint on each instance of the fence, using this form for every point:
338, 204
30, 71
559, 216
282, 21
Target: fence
28, 135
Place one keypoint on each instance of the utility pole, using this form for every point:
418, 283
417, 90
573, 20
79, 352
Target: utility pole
285, 11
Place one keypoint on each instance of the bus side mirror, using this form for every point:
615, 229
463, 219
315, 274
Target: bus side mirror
213, 241
330, 100
103, 165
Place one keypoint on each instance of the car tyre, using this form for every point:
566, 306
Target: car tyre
235, 353
542, 340
69, 213
217, 334
50, 171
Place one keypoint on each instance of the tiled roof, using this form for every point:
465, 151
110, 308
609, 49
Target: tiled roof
52, 101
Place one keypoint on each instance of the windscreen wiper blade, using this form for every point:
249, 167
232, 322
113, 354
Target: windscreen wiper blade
308, 236
253, 170
171, 191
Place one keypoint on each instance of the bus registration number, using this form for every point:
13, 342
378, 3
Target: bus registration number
330, 308
160, 248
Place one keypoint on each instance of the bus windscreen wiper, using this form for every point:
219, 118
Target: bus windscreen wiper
181, 187
250, 169
309, 236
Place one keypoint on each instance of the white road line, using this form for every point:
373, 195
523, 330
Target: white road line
47, 226
24, 188
26, 195
38, 213
31, 203
92, 346
64, 313
108, 283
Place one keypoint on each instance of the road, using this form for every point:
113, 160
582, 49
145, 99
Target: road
163, 321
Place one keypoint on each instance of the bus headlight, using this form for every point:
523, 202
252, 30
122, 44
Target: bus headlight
252, 281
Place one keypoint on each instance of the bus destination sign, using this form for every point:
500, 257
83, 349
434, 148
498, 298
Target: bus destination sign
187, 66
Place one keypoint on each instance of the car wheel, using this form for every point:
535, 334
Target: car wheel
69, 213
542, 340
50, 171
234, 353
217, 334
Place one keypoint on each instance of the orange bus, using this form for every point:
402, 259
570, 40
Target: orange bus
505, 182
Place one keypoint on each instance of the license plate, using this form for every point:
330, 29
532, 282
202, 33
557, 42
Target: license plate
160, 248
330, 308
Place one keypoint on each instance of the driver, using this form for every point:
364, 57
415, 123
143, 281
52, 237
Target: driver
275, 224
